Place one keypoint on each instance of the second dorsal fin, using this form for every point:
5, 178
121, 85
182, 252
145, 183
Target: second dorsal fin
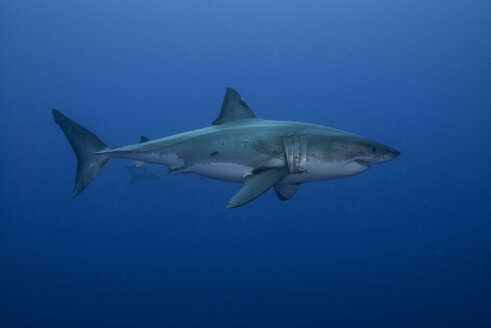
144, 139
233, 108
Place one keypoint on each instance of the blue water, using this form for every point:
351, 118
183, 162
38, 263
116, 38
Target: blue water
406, 244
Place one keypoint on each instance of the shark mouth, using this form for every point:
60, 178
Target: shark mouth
362, 163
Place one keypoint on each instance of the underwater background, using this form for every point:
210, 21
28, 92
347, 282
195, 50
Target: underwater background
406, 244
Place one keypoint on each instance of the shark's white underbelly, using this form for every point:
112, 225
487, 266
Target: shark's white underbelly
313, 171
225, 171
221, 171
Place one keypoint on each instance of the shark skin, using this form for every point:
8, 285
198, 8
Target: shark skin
239, 147
145, 171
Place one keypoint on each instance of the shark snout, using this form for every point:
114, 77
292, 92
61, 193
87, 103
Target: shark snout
380, 154
389, 154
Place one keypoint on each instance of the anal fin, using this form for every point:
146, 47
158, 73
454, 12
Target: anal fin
257, 184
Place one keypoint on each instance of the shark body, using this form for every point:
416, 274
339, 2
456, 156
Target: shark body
239, 147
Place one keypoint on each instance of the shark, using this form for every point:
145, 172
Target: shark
241, 148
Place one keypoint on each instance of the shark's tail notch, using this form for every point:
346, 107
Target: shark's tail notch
85, 144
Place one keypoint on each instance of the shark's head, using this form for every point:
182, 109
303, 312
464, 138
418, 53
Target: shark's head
337, 145
336, 154
371, 152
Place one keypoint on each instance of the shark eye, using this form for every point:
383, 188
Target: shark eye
374, 149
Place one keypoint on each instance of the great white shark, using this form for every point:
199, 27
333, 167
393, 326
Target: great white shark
239, 147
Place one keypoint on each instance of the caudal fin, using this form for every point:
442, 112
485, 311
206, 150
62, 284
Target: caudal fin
85, 144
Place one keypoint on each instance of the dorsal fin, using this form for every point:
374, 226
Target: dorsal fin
233, 108
144, 139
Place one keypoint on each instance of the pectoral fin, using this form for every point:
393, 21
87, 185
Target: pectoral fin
257, 184
286, 191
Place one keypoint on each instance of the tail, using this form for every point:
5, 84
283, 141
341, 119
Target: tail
85, 144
